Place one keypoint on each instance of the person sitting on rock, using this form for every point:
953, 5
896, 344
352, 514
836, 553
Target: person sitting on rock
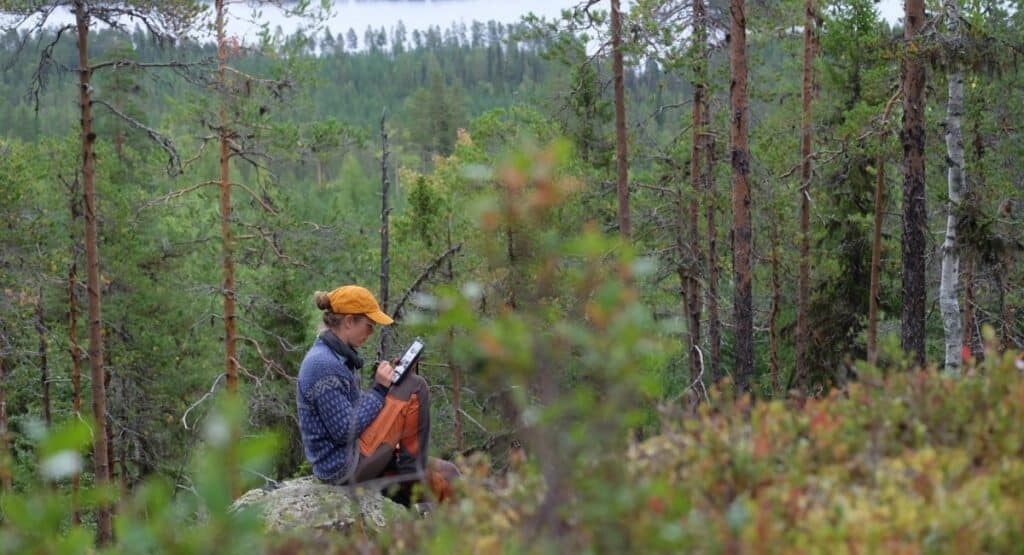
352, 435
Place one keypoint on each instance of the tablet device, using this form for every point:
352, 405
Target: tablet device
407, 360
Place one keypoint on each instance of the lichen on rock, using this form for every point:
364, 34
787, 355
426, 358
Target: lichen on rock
307, 503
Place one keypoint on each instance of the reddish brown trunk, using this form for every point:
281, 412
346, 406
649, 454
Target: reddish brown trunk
743, 314
971, 338
714, 322
44, 370
5, 469
228, 287
119, 144
620, 122
968, 338
456, 373
230, 339
876, 259
692, 284
456, 393
385, 229
915, 216
773, 315
111, 460
1006, 308
876, 240
806, 136
76, 358
104, 532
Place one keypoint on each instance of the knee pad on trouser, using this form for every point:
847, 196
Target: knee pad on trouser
440, 474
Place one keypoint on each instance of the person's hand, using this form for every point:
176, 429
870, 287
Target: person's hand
384, 373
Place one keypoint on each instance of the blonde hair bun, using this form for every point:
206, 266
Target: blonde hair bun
322, 300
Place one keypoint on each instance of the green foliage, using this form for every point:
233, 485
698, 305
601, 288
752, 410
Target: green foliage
156, 517
899, 461
565, 341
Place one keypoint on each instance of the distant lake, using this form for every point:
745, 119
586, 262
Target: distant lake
420, 14
360, 14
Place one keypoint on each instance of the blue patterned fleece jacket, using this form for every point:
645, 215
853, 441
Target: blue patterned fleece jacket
333, 411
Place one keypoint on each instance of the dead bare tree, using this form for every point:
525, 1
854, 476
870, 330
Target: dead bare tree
915, 216
743, 314
621, 155
385, 227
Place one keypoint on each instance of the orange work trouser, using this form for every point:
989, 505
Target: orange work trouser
396, 441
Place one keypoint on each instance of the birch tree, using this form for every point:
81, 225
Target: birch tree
949, 283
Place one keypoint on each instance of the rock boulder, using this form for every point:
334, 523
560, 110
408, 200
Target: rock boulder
307, 503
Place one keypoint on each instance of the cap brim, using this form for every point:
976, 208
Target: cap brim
380, 318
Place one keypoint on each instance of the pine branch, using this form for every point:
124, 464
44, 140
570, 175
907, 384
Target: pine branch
174, 166
433, 267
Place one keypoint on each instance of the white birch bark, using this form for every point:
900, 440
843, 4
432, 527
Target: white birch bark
949, 284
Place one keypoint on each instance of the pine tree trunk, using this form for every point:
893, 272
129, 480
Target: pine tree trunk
693, 292
620, 122
742, 237
1005, 308
228, 260
806, 136
104, 531
968, 329
773, 315
950, 275
119, 144
76, 357
44, 370
685, 268
456, 372
972, 339
915, 216
876, 240
714, 321
5, 468
385, 213
74, 350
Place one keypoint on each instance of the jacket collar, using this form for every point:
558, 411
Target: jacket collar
346, 352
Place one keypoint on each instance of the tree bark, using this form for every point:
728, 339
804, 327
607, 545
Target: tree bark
455, 371
773, 315
968, 322
876, 240
228, 260
711, 204
692, 284
915, 216
806, 137
76, 358
5, 469
742, 237
620, 122
949, 282
44, 370
104, 531
385, 213
75, 351
972, 339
